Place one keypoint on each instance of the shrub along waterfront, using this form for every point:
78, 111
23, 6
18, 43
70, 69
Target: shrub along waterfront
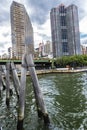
72, 61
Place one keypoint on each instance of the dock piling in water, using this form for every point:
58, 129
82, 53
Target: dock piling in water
15, 79
22, 96
27, 63
41, 108
3, 83
20, 87
0, 81
7, 84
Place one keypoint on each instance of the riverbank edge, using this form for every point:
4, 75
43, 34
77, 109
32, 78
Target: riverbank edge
45, 71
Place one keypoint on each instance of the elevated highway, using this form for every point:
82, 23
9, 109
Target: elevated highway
39, 64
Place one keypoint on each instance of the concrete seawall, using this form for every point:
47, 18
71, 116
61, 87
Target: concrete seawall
40, 72
60, 71
50, 71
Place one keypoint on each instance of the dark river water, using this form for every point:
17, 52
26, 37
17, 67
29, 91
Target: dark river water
65, 97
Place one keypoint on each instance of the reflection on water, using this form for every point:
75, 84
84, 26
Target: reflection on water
65, 97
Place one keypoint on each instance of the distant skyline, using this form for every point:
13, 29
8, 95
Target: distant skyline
39, 13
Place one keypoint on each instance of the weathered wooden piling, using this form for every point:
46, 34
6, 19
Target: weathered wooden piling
3, 83
7, 84
3, 68
15, 79
0, 80
38, 94
22, 96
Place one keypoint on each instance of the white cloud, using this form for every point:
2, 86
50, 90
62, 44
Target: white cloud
83, 25
47, 27
5, 37
40, 31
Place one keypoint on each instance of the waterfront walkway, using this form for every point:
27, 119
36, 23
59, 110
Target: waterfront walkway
59, 70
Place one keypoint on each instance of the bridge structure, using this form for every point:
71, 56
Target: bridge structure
39, 64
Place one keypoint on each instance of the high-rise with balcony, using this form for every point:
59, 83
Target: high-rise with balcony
65, 30
21, 30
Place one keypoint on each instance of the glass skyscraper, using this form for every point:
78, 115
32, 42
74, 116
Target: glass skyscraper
65, 31
21, 30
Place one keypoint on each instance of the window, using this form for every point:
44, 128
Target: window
63, 20
65, 47
63, 33
62, 9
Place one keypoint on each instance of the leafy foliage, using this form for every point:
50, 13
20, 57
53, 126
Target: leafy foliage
72, 61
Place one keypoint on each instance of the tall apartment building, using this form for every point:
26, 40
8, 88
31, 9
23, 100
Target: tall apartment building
21, 30
65, 30
48, 48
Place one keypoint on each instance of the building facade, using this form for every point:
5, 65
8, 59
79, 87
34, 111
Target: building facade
10, 52
41, 49
21, 30
84, 49
48, 48
65, 31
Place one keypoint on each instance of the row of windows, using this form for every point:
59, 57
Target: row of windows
65, 47
63, 33
62, 9
63, 20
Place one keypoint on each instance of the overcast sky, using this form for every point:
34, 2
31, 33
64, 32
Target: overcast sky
39, 13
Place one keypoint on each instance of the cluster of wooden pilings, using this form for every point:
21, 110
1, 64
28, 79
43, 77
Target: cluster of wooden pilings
20, 87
